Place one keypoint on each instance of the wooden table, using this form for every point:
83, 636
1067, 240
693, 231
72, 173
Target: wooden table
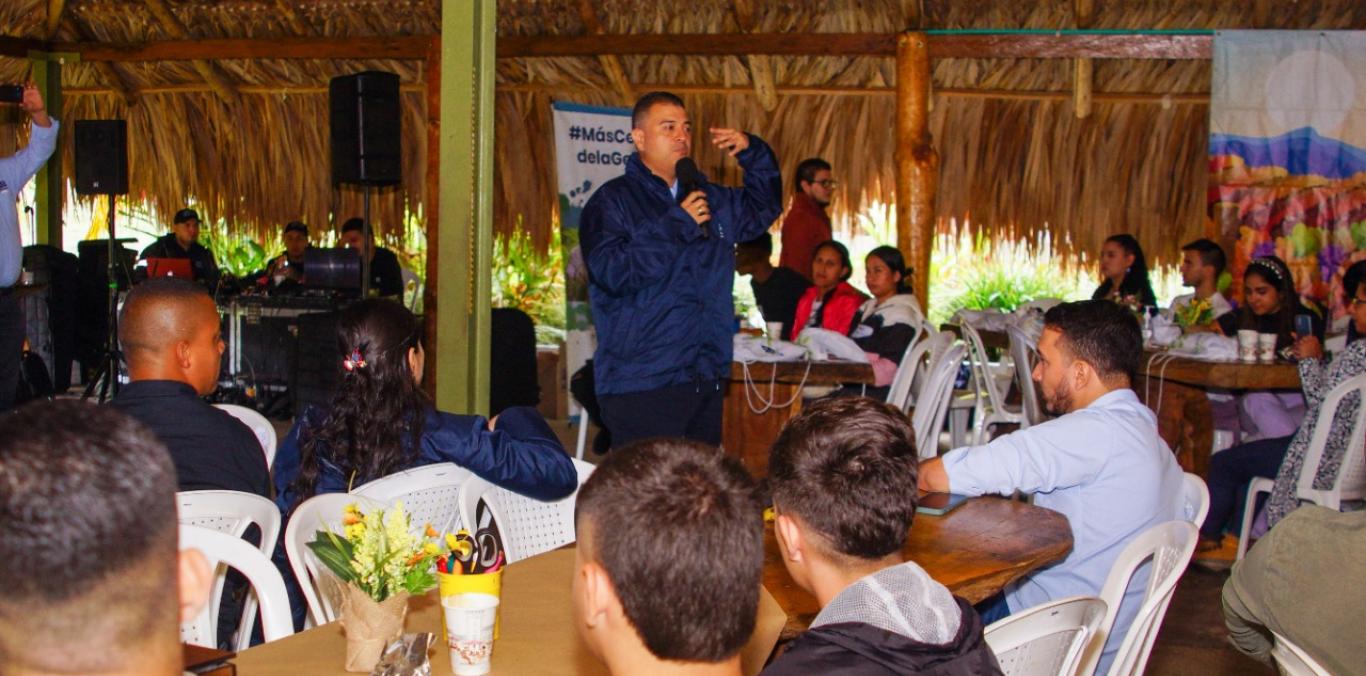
538, 633
1177, 391
975, 551
747, 435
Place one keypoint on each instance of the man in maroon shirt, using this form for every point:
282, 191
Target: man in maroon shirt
806, 224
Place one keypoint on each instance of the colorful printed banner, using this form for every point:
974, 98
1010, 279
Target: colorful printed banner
591, 147
1288, 153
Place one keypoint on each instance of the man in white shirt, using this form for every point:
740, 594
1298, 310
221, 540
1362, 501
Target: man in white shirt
1101, 463
1202, 261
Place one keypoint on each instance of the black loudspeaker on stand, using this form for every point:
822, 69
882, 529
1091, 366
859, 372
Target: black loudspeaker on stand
102, 169
366, 134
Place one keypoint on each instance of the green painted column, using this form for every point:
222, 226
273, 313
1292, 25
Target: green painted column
465, 210
49, 188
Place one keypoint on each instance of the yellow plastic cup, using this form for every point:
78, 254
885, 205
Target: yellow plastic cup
450, 584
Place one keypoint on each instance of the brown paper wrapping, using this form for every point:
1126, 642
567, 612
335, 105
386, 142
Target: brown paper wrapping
370, 626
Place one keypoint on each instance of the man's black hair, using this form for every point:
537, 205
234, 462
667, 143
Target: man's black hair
648, 101
762, 244
807, 170
1101, 333
1211, 254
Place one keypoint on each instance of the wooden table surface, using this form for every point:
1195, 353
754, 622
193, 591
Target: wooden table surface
1176, 388
775, 390
975, 551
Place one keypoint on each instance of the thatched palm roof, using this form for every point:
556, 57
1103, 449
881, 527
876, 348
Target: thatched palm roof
1009, 160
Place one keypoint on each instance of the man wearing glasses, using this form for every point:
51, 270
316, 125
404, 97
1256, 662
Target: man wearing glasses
806, 224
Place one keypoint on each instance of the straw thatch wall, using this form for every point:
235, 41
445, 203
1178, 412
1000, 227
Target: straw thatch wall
1024, 164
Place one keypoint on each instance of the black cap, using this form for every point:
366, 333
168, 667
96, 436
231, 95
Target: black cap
185, 215
356, 223
297, 226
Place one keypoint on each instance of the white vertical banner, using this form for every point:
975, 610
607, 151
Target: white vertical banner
591, 147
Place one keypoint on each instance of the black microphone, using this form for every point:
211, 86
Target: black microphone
690, 180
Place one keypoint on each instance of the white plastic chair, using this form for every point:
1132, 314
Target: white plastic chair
1195, 498
430, 494
991, 410
528, 527
260, 426
229, 512
584, 422
1048, 639
1351, 478
1293, 660
899, 393
320, 512
266, 583
932, 404
1169, 546
1025, 353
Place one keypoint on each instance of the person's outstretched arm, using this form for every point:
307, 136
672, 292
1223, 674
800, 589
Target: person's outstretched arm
15, 172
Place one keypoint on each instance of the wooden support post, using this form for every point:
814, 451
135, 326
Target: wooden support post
431, 212
465, 242
172, 25
611, 64
760, 65
1082, 68
917, 163
47, 74
54, 17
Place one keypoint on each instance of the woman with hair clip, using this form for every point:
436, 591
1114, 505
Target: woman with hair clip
1270, 304
1283, 457
1124, 272
380, 422
832, 302
886, 323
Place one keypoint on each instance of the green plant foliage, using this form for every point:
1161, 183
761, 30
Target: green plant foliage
531, 280
237, 254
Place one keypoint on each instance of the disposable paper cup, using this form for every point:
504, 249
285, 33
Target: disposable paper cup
469, 631
1266, 347
1247, 345
449, 585
774, 330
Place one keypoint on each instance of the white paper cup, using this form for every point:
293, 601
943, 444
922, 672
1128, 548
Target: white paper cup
774, 330
1247, 345
469, 631
1266, 347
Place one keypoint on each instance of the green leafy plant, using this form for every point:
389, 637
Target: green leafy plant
531, 280
377, 553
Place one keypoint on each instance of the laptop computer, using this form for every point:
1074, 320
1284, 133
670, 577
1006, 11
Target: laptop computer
169, 267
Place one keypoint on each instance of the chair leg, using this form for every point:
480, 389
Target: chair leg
1255, 487
583, 433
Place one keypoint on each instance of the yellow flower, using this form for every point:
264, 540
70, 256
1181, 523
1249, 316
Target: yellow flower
431, 548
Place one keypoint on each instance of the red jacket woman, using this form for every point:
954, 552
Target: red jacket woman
832, 302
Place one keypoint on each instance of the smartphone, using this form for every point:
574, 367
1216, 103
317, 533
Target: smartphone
938, 504
11, 93
1304, 325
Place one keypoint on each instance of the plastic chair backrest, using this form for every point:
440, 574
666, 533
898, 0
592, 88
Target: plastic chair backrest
430, 494
1195, 496
230, 512
899, 392
1169, 546
259, 425
1048, 639
1351, 477
935, 343
1258, 486
981, 367
527, 526
266, 583
320, 512
1025, 353
932, 405
1293, 660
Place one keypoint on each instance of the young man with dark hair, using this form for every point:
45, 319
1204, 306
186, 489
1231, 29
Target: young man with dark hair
94, 580
1202, 261
667, 568
806, 224
386, 275
173, 343
661, 258
1101, 463
843, 477
776, 290
183, 242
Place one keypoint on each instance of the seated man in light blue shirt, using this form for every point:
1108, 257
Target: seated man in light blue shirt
1101, 463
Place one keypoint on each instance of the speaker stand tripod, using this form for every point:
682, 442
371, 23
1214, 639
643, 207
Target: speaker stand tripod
106, 377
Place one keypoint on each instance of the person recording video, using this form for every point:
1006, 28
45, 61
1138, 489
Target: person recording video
15, 172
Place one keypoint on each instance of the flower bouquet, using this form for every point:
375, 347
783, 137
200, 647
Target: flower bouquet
381, 563
1198, 312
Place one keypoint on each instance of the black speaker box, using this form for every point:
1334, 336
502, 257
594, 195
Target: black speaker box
365, 128
102, 157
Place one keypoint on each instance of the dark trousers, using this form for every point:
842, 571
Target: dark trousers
12, 329
690, 411
1229, 473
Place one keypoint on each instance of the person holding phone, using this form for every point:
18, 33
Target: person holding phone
1283, 457
15, 172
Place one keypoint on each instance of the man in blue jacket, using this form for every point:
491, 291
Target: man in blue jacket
660, 269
